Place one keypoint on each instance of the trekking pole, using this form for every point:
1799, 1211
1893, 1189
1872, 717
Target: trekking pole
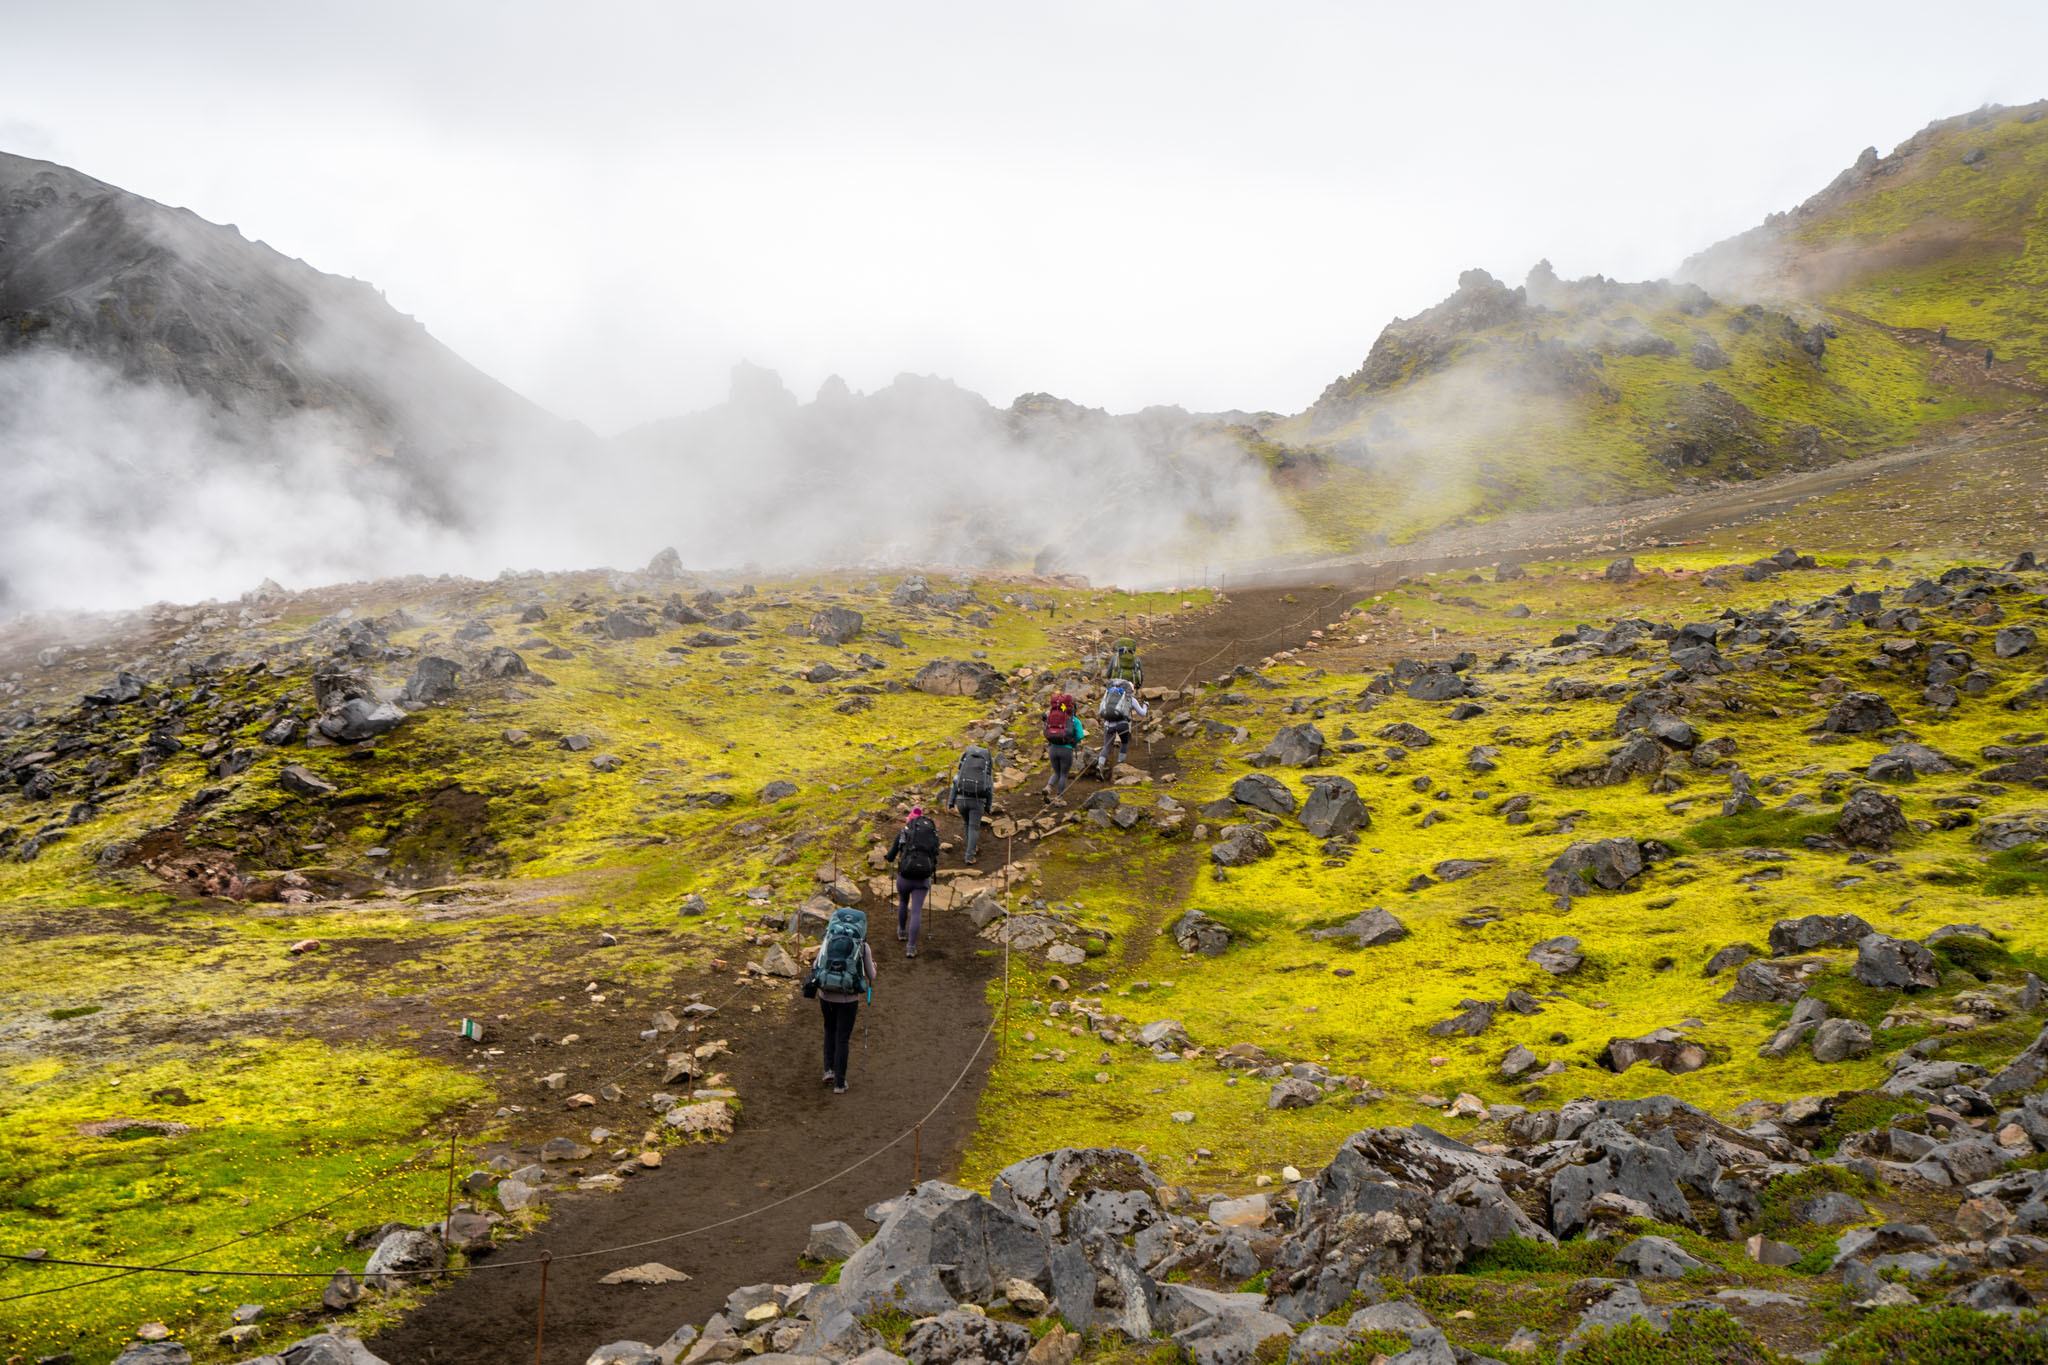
448, 1215
540, 1318
917, 1155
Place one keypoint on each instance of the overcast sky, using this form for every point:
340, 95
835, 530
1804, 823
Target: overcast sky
1217, 205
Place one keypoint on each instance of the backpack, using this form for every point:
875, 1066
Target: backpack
1124, 662
976, 774
1059, 720
920, 856
841, 967
1116, 702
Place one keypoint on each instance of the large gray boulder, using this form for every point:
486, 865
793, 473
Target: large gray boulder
2012, 829
1333, 808
1196, 932
1896, 964
1859, 713
433, 679
1808, 932
957, 678
358, 719
1394, 1202
836, 625
1296, 746
1595, 865
405, 1258
1240, 846
1366, 929
1080, 1189
1262, 792
1607, 1159
1664, 1048
329, 1349
1657, 1258
974, 1247
1840, 1040
1870, 818
1559, 956
958, 1337
155, 1353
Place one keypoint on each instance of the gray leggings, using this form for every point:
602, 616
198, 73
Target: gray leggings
910, 907
1062, 756
1113, 734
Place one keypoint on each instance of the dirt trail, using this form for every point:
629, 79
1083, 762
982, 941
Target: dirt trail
918, 1037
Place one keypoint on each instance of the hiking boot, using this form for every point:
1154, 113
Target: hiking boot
829, 1078
839, 1089
910, 952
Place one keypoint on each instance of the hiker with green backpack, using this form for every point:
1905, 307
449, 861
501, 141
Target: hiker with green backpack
841, 977
974, 787
1123, 664
916, 855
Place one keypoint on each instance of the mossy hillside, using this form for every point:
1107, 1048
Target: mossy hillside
1502, 447
275, 1127
1278, 988
548, 853
1980, 226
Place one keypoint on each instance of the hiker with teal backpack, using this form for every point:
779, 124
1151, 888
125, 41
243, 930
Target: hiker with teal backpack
974, 787
916, 855
842, 976
1063, 734
1119, 706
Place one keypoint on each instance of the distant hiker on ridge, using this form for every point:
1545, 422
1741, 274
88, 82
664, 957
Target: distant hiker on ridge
1063, 734
1988, 357
1119, 704
974, 786
842, 976
916, 855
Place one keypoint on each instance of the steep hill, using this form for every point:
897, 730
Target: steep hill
1559, 393
162, 295
1950, 230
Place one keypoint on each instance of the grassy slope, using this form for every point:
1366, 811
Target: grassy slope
1869, 392
1644, 949
1989, 284
309, 1074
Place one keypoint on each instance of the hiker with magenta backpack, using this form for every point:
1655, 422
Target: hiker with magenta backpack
916, 855
974, 787
842, 976
1119, 705
1063, 734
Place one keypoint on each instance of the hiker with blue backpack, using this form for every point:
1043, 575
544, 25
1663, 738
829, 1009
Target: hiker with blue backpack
974, 787
842, 976
1119, 706
916, 855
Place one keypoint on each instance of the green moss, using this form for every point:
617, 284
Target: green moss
1711, 1337
1938, 1336
1513, 1256
1765, 828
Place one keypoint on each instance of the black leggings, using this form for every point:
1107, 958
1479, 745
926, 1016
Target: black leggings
838, 1034
1062, 756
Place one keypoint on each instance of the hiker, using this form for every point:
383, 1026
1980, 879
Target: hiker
1119, 704
1063, 734
1941, 335
974, 786
1988, 356
1123, 664
842, 976
916, 855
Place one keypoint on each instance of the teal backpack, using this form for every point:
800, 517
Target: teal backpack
842, 966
